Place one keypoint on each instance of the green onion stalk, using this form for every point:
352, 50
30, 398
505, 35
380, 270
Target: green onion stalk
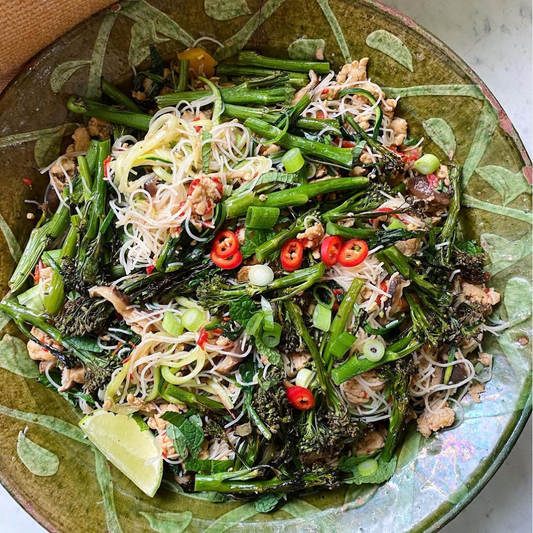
242, 94
343, 157
119, 97
81, 106
230, 69
249, 58
183, 79
349, 233
355, 365
177, 395
54, 295
39, 239
338, 325
238, 205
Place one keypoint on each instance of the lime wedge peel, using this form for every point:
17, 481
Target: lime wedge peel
134, 452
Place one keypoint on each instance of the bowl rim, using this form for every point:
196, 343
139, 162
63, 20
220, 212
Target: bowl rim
501, 454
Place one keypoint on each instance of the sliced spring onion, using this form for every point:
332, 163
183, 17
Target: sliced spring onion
172, 324
322, 317
367, 467
293, 160
449, 369
427, 164
304, 378
324, 295
192, 319
261, 217
374, 350
396, 224
339, 346
268, 315
272, 338
261, 275
254, 324
52, 256
32, 299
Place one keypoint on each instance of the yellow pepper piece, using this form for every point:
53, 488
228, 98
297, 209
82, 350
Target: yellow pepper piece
199, 61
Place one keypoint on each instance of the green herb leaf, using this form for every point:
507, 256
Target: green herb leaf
253, 239
384, 472
206, 150
242, 309
267, 502
14, 358
471, 247
38, 460
208, 466
271, 354
186, 432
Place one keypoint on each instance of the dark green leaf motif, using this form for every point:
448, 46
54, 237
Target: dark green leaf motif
64, 71
143, 34
504, 253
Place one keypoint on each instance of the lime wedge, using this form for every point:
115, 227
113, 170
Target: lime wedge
134, 452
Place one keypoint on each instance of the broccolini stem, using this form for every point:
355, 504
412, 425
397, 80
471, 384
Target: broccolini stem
232, 95
349, 233
81, 106
39, 239
338, 325
449, 230
304, 123
20, 313
86, 177
249, 58
183, 80
119, 97
343, 157
355, 366
255, 418
230, 69
238, 205
209, 483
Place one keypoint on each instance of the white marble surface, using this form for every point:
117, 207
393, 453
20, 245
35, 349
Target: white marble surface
494, 38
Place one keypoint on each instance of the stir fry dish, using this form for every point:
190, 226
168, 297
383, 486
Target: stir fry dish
251, 279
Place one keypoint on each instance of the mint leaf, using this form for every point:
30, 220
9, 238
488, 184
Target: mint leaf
254, 238
267, 502
186, 432
271, 354
242, 309
208, 466
470, 247
384, 472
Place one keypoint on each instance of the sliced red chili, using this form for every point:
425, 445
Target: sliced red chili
292, 255
202, 338
347, 144
227, 263
225, 244
193, 185
27, 182
106, 166
150, 269
353, 253
220, 187
300, 398
329, 250
384, 287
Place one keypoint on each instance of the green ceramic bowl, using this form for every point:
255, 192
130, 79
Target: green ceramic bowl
71, 487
